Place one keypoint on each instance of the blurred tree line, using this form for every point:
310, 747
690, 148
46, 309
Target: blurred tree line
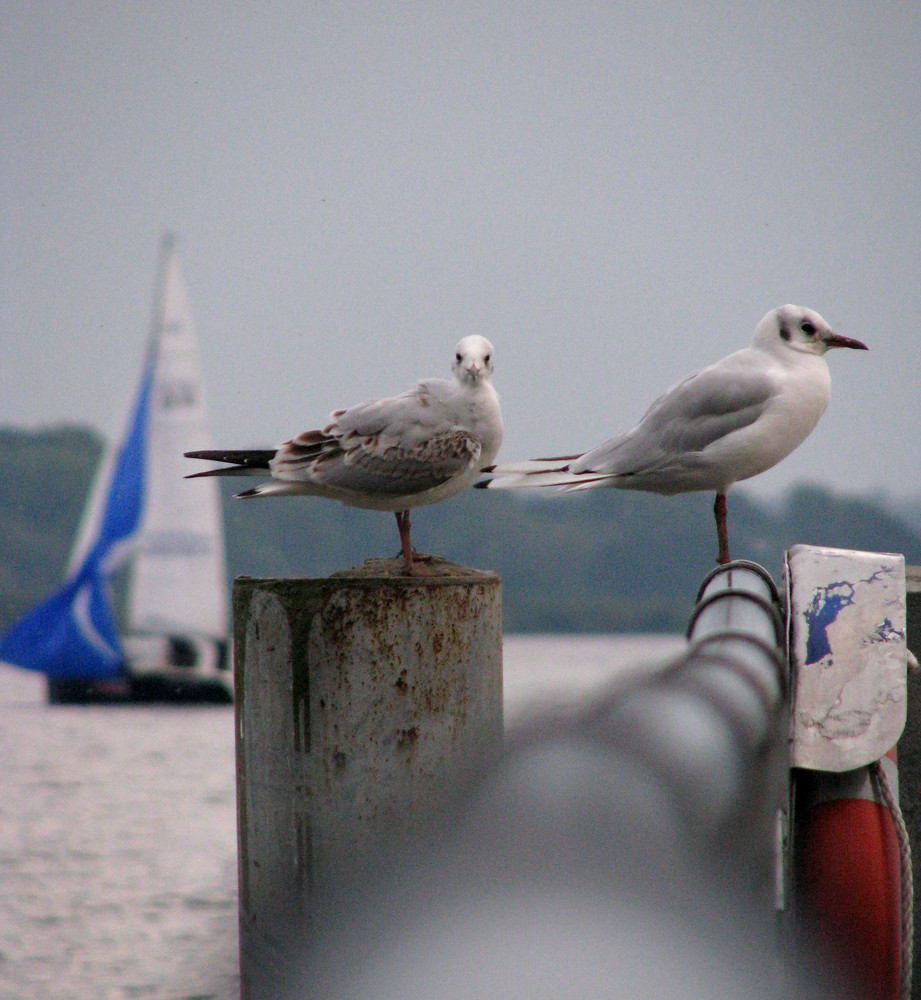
599, 561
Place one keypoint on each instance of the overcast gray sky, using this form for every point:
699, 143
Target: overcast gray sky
613, 193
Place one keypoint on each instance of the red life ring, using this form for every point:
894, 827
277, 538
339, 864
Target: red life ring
848, 874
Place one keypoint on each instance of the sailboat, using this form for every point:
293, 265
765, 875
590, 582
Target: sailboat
143, 613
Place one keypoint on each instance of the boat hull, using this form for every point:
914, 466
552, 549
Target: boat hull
161, 668
169, 687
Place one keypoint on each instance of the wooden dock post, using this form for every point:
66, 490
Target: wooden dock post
354, 696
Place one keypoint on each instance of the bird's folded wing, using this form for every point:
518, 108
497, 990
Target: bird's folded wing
376, 464
402, 416
688, 419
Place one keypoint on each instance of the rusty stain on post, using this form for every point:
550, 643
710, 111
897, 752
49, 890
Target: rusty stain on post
355, 694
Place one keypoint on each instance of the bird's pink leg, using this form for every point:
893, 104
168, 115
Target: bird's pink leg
722, 532
402, 517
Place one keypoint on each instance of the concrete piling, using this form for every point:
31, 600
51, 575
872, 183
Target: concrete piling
354, 696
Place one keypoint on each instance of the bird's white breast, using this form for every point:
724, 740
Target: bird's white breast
803, 390
486, 422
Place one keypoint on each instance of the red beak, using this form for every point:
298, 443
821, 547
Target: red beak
836, 340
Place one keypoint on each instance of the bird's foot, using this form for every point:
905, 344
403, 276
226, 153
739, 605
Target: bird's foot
417, 567
422, 556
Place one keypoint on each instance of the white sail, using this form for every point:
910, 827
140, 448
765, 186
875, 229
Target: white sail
178, 580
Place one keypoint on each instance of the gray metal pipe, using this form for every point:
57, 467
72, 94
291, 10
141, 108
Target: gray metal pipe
623, 852
707, 725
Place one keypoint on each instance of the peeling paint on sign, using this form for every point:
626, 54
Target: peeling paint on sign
846, 614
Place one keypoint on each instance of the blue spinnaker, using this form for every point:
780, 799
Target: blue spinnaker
73, 633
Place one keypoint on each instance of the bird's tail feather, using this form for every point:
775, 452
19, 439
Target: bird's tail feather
273, 488
252, 462
534, 474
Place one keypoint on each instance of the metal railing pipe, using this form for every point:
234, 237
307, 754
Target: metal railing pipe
707, 724
627, 850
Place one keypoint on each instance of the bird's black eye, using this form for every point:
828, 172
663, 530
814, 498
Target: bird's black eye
486, 359
807, 328
458, 356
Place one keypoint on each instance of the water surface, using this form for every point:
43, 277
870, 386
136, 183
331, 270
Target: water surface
118, 828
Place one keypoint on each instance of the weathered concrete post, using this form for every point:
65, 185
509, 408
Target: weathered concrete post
354, 695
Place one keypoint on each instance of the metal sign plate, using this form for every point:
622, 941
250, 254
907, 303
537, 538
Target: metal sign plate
846, 638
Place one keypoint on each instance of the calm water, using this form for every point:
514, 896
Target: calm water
118, 828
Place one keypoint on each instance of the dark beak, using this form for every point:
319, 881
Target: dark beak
836, 340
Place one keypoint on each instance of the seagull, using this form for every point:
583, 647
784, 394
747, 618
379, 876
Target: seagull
425, 445
727, 422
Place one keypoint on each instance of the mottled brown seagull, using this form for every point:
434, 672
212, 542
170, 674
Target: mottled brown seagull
425, 445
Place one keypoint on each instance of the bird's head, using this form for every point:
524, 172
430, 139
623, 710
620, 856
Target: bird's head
800, 329
473, 359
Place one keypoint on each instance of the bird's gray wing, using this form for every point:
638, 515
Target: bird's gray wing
398, 416
376, 464
690, 417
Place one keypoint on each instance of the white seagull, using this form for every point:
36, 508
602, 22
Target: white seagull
425, 445
728, 422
